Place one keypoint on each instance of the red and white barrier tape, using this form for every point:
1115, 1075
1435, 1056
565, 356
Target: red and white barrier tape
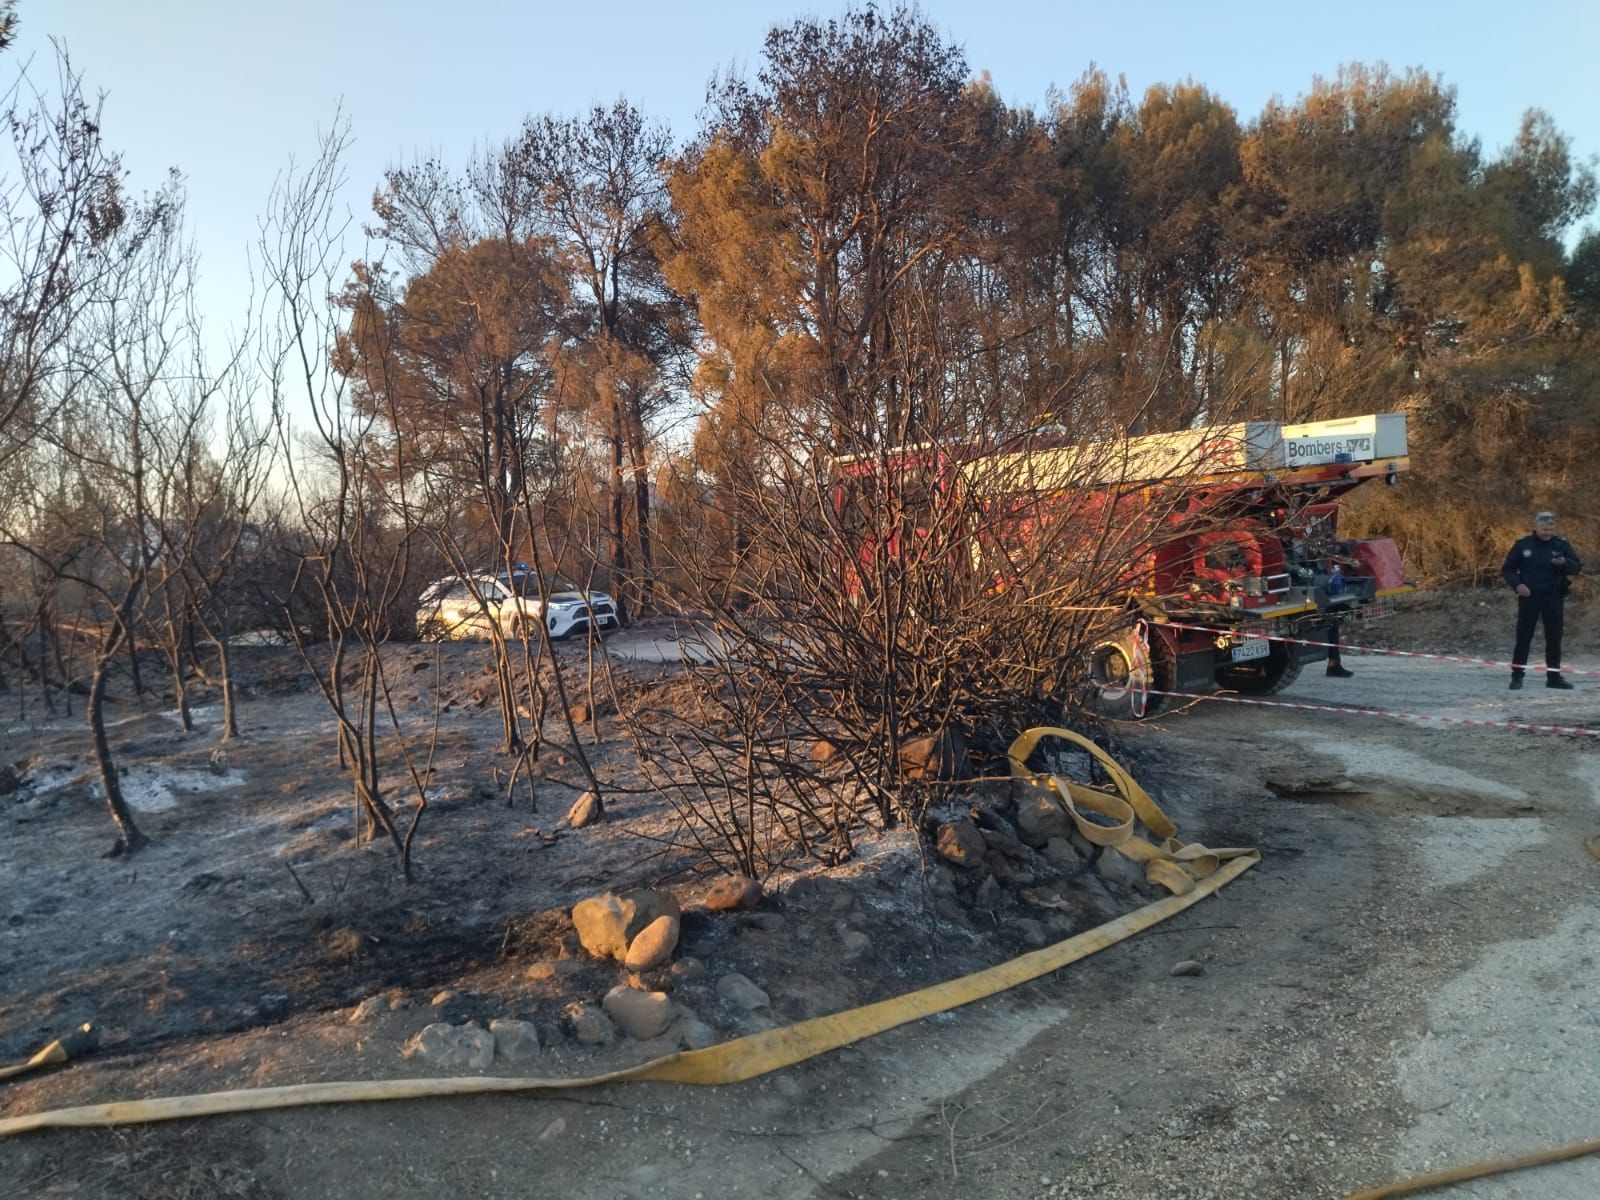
1382, 650
1526, 726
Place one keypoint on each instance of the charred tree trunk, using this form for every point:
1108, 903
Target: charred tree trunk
230, 711
134, 669
619, 542
178, 660
42, 624
510, 727
129, 838
641, 508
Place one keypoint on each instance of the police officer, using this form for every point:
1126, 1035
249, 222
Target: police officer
1539, 569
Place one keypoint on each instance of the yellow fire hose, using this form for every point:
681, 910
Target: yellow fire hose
1170, 864
1438, 1179
730, 1062
1191, 873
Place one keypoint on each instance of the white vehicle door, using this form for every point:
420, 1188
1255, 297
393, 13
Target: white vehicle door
459, 611
497, 598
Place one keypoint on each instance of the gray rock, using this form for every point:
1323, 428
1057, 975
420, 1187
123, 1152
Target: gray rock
1060, 925
553, 1130
760, 922
1060, 850
369, 1009
997, 794
1006, 871
453, 1047
693, 1033
641, 1015
1040, 817
554, 969
960, 842
1096, 894
585, 810
1033, 932
514, 1040
1119, 869
590, 1025
608, 923
654, 945
1187, 967
988, 893
819, 893
1004, 843
687, 970
993, 822
741, 993
854, 946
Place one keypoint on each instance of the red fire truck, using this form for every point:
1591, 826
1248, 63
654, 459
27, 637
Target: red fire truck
1247, 565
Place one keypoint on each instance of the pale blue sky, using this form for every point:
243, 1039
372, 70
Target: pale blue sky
227, 91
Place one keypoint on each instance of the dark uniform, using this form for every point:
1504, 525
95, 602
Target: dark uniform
1528, 565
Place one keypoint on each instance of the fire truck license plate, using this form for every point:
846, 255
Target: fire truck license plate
1252, 648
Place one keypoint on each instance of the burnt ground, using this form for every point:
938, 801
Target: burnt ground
1364, 1008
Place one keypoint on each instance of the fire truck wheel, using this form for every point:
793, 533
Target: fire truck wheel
1109, 673
1262, 677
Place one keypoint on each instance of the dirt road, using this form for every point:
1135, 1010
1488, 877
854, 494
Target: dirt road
1408, 980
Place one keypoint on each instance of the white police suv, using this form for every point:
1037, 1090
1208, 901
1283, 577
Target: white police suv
464, 606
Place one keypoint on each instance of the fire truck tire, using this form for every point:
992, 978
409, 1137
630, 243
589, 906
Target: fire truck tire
1263, 677
1109, 671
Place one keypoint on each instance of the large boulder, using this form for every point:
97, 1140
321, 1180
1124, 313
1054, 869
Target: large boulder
608, 923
